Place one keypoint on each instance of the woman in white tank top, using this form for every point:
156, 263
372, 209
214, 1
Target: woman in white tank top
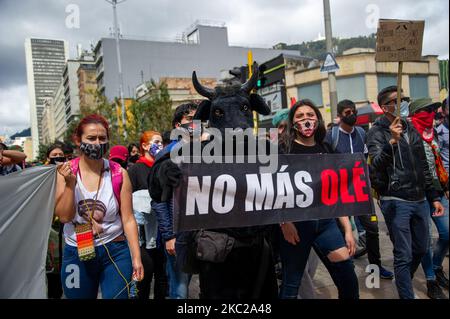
100, 229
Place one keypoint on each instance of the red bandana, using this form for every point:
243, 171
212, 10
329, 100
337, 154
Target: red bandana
146, 161
423, 122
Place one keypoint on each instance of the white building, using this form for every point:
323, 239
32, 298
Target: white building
59, 112
45, 60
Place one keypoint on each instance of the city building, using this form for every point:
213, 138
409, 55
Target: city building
360, 78
45, 61
59, 112
203, 48
181, 90
71, 96
87, 83
48, 122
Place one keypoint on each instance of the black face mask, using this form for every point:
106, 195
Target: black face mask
57, 160
134, 158
94, 151
350, 120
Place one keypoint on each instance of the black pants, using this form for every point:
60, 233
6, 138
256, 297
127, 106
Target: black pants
154, 262
237, 276
54, 287
372, 238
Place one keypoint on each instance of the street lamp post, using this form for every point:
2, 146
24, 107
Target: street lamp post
329, 44
114, 4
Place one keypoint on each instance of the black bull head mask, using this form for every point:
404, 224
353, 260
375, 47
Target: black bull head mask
232, 106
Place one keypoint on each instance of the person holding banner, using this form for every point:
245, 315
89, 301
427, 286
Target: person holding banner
305, 135
401, 176
93, 200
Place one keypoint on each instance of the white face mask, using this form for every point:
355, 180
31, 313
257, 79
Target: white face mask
404, 109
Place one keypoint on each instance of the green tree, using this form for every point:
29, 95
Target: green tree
153, 113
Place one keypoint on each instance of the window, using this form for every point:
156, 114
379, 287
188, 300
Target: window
312, 92
418, 86
352, 88
385, 80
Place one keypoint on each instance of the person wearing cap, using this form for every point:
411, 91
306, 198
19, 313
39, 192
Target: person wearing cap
119, 154
403, 181
422, 113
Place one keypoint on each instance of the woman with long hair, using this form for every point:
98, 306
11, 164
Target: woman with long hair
304, 135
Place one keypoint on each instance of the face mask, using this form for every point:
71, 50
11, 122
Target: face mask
188, 127
306, 128
94, 151
57, 160
404, 109
134, 158
349, 120
155, 149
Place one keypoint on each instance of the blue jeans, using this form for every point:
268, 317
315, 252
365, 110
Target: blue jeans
433, 259
81, 279
178, 280
407, 223
324, 235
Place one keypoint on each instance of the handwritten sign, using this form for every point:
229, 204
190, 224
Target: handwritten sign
399, 40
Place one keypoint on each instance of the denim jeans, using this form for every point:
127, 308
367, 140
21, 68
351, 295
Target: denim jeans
407, 223
81, 279
325, 236
369, 223
433, 259
178, 280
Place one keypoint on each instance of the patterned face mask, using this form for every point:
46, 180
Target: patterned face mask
155, 148
306, 127
94, 151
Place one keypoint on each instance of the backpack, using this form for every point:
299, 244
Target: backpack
116, 175
335, 135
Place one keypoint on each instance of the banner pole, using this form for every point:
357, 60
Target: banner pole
399, 86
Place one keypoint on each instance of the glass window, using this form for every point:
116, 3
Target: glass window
385, 80
352, 88
418, 86
312, 92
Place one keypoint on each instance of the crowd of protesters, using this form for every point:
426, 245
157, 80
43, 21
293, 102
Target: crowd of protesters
116, 214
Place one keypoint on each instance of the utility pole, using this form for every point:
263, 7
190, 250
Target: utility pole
114, 4
329, 43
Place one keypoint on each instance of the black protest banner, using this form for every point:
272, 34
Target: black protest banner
305, 187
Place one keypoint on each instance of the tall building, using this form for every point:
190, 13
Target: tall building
204, 48
87, 83
59, 112
45, 60
48, 122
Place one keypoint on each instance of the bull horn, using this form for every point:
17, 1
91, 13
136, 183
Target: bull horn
202, 90
251, 83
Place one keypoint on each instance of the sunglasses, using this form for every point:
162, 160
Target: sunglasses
393, 101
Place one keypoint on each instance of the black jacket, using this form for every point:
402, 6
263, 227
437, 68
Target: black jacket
139, 174
412, 177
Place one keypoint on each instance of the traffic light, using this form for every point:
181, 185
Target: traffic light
262, 79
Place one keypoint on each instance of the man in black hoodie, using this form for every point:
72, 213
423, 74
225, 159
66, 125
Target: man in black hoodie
400, 175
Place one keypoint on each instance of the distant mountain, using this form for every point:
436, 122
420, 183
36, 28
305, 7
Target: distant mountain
317, 49
24, 133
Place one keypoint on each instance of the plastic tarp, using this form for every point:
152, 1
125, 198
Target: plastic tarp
27, 202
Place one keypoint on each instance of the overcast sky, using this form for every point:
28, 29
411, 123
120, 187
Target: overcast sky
260, 23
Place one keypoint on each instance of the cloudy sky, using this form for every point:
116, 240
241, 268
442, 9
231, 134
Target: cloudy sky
260, 23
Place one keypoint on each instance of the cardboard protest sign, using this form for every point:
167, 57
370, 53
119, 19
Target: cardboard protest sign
399, 40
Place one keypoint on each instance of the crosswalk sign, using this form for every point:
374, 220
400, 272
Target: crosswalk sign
330, 64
